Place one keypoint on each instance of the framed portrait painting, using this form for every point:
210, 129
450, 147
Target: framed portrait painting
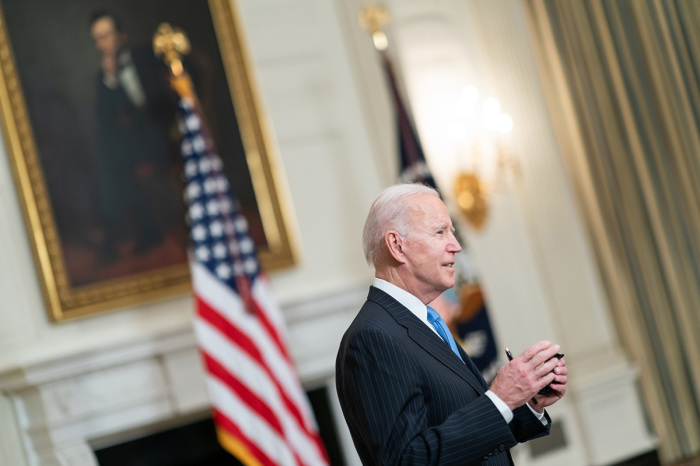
89, 121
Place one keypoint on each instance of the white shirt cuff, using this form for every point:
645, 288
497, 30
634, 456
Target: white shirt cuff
540, 416
501, 406
507, 413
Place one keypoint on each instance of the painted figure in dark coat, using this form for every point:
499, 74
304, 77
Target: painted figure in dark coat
136, 117
410, 395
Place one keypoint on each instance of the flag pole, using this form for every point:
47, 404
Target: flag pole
171, 44
259, 407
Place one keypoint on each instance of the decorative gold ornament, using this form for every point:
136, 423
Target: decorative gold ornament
171, 44
372, 17
471, 199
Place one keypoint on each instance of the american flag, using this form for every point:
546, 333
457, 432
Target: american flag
260, 410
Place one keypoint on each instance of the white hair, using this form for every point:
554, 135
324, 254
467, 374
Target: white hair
390, 211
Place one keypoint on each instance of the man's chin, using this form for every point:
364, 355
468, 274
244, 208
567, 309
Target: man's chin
449, 283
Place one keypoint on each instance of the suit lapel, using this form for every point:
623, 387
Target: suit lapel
426, 338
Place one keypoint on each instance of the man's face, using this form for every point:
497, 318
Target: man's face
107, 39
430, 250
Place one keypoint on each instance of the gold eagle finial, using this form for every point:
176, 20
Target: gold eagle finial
372, 17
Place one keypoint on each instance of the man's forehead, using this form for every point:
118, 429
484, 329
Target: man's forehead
104, 24
426, 201
430, 211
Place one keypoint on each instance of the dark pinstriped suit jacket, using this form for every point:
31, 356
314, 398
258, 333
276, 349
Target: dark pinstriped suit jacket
408, 399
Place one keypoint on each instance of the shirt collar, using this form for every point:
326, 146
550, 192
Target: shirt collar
405, 298
125, 58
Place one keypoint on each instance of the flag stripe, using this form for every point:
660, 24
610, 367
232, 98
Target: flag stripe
289, 378
250, 426
235, 335
214, 342
247, 396
249, 454
271, 330
228, 304
230, 307
269, 304
303, 419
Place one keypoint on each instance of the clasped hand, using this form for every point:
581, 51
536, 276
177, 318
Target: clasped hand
518, 382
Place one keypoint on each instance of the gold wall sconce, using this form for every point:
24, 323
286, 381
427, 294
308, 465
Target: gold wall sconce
471, 198
475, 130
478, 133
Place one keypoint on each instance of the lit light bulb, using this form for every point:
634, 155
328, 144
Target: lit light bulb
456, 131
380, 40
468, 102
491, 106
505, 123
470, 94
442, 110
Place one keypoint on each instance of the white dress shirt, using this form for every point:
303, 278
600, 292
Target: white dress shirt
128, 78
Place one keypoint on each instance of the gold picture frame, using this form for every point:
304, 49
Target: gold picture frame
74, 281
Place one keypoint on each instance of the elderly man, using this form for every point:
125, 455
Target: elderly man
409, 393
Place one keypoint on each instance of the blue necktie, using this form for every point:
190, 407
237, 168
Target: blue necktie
441, 327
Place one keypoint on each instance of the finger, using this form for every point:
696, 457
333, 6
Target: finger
543, 382
561, 370
546, 368
560, 380
547, 354
559, 389
529, 353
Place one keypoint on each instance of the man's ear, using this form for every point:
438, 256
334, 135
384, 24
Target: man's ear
395, 246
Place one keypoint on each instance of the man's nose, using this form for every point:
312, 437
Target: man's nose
454, 244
